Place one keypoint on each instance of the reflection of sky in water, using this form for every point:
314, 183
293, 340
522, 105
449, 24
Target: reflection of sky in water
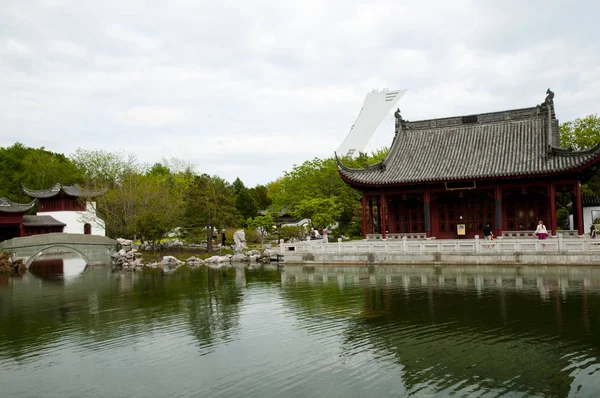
73, 266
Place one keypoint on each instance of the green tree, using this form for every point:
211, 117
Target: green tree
43, 169
315, 179
34, 168
245, 204
143, 205
264, 225
104, 169
209, 203
260, 194
322, 212
238, 185
581, 133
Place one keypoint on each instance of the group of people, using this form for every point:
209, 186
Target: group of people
314, 234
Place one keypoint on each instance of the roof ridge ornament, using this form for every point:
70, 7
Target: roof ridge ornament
549, 97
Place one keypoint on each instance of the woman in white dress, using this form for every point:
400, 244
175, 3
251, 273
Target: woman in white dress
541, 231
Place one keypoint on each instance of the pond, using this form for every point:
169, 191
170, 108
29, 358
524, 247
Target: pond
318, 331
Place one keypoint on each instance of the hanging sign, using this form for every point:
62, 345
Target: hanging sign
460, 229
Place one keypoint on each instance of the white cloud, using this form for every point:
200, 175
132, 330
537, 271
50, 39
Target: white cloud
250, 88
153, 116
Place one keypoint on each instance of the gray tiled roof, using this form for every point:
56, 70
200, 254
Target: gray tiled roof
514, 143
70, 190
8, 206
41, 221
590, 200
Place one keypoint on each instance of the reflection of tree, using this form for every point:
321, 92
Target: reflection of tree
443, 336
215, 313
99, 306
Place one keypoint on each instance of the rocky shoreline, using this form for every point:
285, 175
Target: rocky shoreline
10, 267
129, 258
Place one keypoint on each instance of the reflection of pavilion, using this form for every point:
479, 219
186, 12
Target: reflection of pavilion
470, 330
480, 278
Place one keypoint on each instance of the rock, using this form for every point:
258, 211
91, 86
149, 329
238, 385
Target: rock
238, 258
213, 259
194, 262
270, 253
124, 242
239, 239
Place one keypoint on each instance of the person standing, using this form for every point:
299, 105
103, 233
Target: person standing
487, 232
541, 231
593, 231
325, 231
223, 238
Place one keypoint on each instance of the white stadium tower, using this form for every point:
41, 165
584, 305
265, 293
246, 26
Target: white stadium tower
376, 107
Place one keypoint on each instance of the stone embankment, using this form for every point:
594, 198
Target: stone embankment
10, 267
128, 258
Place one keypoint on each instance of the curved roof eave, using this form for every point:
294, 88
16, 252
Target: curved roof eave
8, 206
70, 190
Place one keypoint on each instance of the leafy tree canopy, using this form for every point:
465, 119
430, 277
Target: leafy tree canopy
209, 203
264, 224
581, 133
34, 168
322, 212
319, 179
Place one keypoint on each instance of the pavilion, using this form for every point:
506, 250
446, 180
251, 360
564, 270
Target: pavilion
447, 178
15, 223
71, 205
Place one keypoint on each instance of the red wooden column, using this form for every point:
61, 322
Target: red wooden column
426, 212
370, 215
391, 220
579, 214
498, 201
382, 211
378, 201
552, 198
364, 216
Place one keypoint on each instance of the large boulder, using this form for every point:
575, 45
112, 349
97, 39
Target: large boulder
239, 258
239, 240
193, 262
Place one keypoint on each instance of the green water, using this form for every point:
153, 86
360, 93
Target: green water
303, 332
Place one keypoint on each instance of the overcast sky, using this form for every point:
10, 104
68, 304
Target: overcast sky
249, 88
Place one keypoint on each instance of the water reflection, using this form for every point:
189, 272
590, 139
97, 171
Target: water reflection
58, 266
307, 331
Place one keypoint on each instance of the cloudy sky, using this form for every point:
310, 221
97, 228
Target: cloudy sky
249, 88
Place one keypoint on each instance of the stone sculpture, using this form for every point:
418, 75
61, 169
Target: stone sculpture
239, 241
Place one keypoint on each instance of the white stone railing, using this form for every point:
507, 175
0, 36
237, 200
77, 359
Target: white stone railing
416, 235
519, 234
566, 233
475, 246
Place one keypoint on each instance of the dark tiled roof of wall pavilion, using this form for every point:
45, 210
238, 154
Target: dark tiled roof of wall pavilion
42, 221
590, 200
70, 190
514, 143
8, 206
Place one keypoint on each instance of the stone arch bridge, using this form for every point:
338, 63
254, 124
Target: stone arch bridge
94, 249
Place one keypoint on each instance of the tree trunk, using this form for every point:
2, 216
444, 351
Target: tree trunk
209, 235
